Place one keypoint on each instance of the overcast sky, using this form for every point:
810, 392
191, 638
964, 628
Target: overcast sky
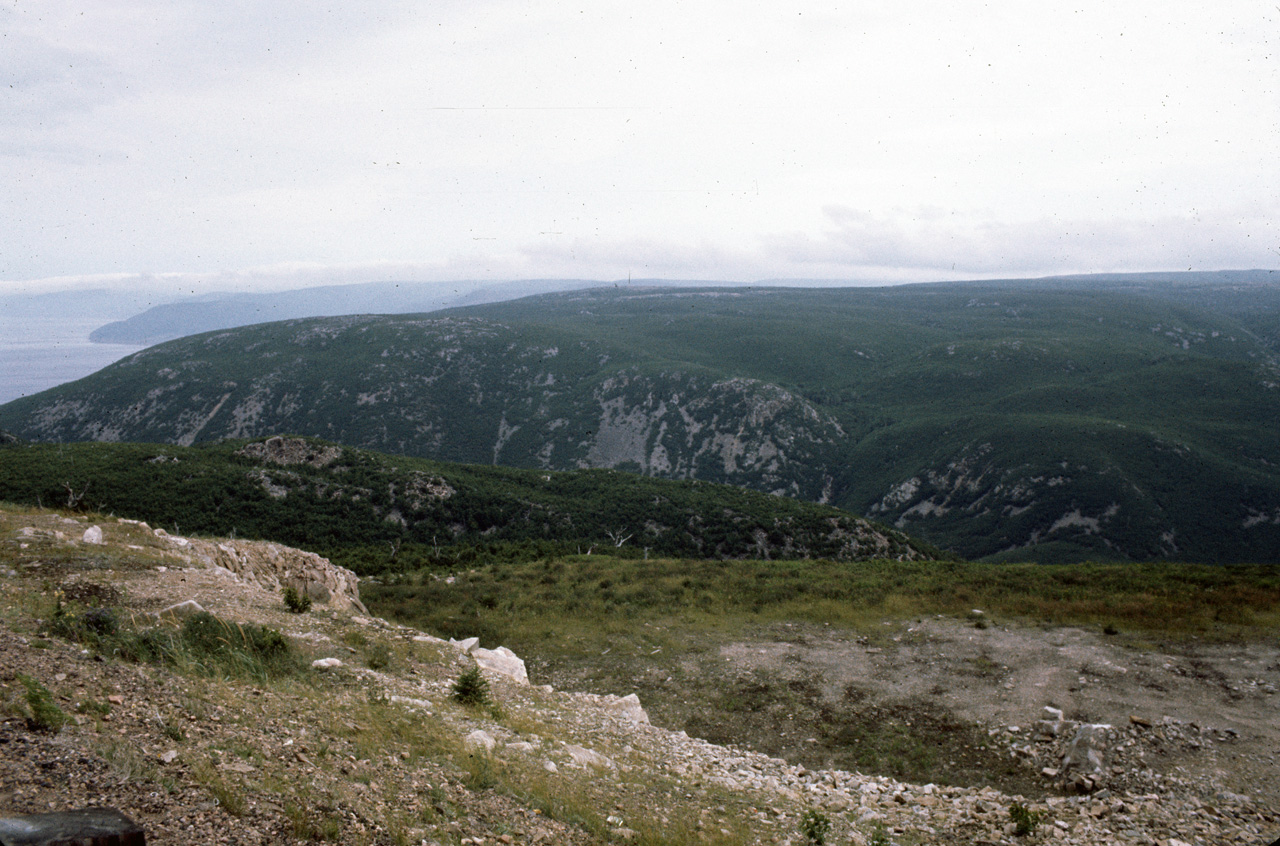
246, 143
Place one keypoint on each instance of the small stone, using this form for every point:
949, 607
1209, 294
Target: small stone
93, 534
168, 756
115, 699
326, 664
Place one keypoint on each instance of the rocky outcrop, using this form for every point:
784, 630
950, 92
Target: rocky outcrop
285, 451
275, 567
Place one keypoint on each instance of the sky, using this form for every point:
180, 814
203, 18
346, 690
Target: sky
247, 145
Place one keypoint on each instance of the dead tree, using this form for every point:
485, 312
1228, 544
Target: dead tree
75, 500
618, 538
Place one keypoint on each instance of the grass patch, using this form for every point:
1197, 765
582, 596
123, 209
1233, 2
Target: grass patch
44, 714
229, 796
203, 645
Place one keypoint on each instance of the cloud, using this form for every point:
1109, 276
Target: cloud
934, 240
510, 138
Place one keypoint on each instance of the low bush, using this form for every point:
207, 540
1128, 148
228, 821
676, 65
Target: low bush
296, 603
815, 827
471, 689
45, 714
1024, 820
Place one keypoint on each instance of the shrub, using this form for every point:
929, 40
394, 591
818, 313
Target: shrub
815, 827
1024, 820
296, 603
378, 657
45, 713
100, 621
471, 688
91, 626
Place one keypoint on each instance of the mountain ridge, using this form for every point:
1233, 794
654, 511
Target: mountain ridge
1059, 420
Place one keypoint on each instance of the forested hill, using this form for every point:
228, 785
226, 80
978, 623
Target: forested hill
1130, 417
369, 510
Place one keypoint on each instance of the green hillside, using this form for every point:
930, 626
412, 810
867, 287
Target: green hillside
1126, 418
375, 512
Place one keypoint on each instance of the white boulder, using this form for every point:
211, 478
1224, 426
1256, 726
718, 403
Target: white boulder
478, 740
504, 661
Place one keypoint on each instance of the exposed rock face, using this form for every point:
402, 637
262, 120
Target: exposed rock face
275, 567
680, 426
987, 483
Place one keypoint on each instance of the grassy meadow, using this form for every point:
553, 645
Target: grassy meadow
587, 600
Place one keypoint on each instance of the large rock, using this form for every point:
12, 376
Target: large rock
87, 827
181, 610
480, 740
628, 708
589, 758
504, 661
1088, 750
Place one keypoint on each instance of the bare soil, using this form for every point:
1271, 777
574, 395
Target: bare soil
935, 699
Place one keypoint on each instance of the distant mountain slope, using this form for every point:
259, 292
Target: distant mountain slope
226, 311
1046, 419
336, 499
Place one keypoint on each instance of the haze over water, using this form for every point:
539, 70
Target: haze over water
38, 353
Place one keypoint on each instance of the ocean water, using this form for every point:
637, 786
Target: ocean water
38, 353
